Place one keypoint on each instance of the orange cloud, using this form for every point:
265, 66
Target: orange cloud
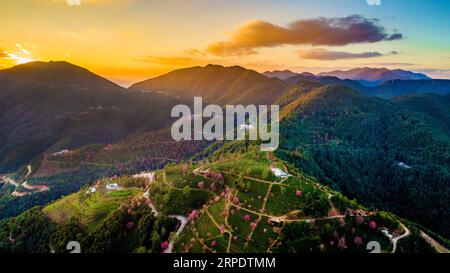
320, 31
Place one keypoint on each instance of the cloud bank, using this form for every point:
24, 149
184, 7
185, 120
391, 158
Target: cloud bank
317, 32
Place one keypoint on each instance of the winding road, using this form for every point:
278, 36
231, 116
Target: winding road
183, 221
395, 240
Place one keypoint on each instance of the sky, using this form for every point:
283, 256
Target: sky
131, 40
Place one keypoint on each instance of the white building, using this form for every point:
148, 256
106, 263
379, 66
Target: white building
279, 172
112, 187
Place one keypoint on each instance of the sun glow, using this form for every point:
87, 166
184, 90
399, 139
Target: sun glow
19, 55
20, 59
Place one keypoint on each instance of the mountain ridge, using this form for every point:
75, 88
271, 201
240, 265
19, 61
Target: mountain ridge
216, 84
57, 105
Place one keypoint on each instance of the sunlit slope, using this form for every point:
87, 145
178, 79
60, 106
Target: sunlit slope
217, 84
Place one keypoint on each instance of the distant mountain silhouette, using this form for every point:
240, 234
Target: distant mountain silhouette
371, 76
280, 74
382, 82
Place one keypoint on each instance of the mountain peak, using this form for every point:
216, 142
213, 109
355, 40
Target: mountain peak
55, 72
217, 84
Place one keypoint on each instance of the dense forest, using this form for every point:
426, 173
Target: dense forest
393, 155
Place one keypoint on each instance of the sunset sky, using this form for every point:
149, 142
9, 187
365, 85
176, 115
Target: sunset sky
131, 40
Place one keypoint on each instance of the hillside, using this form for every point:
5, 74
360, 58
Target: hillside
390, 154
56, 105
216, 84
231, 202
65, 172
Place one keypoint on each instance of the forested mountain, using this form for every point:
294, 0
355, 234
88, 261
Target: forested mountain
217, 84
57, 105
392, 154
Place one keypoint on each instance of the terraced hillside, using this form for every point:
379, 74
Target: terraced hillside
237, 200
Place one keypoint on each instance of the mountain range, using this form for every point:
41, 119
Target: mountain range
375, 75
367, 76
381, 82
65, 128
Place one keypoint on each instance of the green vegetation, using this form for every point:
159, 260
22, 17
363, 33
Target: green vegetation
231, 202
90, 209
393, 155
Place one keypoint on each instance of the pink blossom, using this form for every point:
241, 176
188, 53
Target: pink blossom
201, 185
164, 245
192, 215
213, 243
342, 243
359, 219
298, 193
358, 241
373, 225
130, 225
247, 217
222, 229
253, 225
